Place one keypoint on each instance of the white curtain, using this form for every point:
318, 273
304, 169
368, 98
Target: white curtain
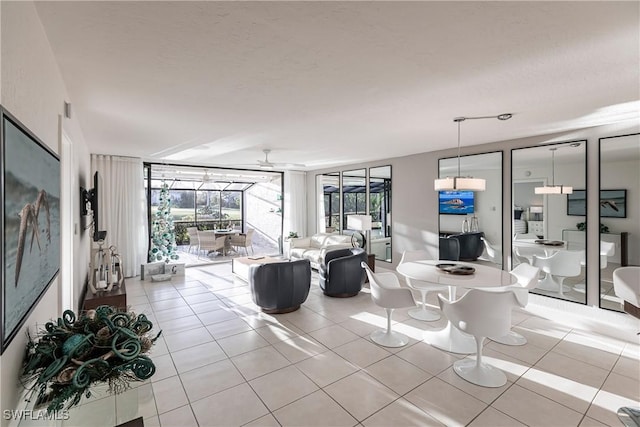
123, 208
320, 219
295, 203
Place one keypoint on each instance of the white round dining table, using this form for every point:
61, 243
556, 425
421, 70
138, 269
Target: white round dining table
547, 249
451, 338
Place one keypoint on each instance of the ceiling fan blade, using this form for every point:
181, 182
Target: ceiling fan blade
266, 164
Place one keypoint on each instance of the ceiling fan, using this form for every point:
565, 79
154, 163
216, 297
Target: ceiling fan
266, 164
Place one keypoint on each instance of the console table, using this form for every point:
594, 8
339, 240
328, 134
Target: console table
576, 240
116, 297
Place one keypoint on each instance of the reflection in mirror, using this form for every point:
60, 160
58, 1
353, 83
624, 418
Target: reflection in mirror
354, 196
328, 186
380, 211
474, 212
548, 224
619, 211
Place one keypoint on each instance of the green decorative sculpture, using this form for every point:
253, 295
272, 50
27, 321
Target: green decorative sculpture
71, 355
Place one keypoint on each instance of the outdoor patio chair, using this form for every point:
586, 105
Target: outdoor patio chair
193, 238
209, 242
243, 240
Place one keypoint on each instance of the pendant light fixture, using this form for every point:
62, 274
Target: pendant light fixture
468, 183
553, 188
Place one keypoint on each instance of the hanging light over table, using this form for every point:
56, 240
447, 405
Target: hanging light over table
553, 188
458, 182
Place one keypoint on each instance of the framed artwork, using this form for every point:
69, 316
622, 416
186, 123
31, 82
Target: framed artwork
30, 218
613, 203
577, 203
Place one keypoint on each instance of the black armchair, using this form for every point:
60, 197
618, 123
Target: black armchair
449, 249
470, 246
280, 287
341, 274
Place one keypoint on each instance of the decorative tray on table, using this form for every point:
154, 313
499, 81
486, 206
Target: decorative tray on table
550, 242
455, 269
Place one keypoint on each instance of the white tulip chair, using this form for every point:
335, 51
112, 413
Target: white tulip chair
387, 293
561, 265
481, 314
422, 313
527, 279
626, 284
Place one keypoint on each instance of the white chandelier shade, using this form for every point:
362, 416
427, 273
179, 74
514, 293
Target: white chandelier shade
553, 188
459, 183
465, 183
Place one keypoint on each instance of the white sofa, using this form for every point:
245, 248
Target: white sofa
315, 247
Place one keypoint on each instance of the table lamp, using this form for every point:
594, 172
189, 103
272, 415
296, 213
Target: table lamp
536, 211
360, 223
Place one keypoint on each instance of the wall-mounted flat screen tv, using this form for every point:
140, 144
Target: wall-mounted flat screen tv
456, 202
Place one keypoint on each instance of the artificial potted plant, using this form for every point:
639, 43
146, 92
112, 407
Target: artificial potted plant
70, 356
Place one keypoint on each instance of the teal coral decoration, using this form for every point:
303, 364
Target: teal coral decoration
70, 355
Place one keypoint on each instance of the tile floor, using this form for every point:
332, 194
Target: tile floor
221, 362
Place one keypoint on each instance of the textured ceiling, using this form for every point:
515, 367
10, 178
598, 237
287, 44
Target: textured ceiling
328, 83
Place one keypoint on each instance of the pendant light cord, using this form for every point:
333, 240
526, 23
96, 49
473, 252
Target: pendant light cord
459, 148
553, 168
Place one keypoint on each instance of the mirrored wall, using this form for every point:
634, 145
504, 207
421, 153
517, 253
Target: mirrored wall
619, 211
329, 202
354, 202
380, 211
354, 194
481, 211
358, 192
549, 216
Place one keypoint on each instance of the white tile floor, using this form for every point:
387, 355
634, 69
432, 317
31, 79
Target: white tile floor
223, 362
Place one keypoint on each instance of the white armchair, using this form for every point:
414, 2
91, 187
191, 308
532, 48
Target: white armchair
493, 253
422, 313
481, 314
561, 265
386, 292
527, 279
626, 284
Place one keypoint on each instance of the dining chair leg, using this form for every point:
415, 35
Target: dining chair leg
389, 338
477, 372
512, 338
422, 313
563, 288
548, 283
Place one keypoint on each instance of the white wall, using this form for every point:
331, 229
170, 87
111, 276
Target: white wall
524, 196
34, 92
625, 175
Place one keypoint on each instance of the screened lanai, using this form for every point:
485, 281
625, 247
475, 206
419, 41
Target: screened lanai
219, 200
